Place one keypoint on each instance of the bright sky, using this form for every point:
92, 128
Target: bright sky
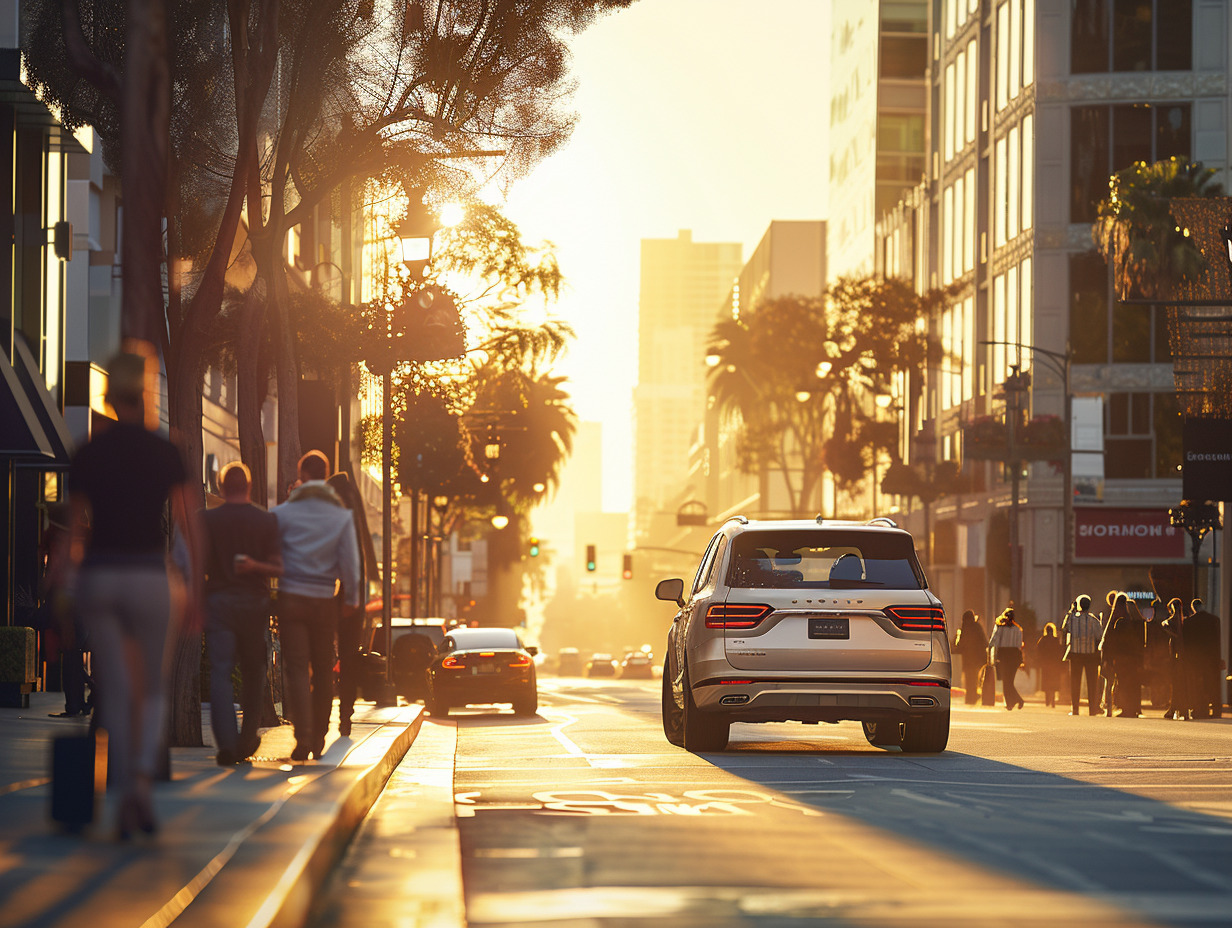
710, 115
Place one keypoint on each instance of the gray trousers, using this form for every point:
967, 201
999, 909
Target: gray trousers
126, 611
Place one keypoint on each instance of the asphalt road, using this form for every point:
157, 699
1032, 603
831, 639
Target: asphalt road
586, 816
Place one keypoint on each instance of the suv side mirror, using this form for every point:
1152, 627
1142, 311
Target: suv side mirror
671, 591
532, 651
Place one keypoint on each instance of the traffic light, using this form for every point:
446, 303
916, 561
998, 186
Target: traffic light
534, 547
627, 569
590, 558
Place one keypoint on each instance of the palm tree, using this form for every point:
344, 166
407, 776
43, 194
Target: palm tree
1150, 254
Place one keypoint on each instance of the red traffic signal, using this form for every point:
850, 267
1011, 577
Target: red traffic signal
627, 567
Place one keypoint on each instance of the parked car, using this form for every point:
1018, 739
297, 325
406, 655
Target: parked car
482, 665
601, 665
808, 621
569, 662
636, 665
414, 644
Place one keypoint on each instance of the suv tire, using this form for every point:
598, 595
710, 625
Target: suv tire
883, 734
926, 734
703, 731
436, 707
673, 717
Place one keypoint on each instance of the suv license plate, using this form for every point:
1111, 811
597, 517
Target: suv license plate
828, 628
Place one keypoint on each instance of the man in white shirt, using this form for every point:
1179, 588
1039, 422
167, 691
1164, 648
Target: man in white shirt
319, 550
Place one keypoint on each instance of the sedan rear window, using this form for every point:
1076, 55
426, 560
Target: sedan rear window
465, 639
825, 559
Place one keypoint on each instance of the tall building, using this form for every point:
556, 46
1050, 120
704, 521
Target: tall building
790, 260
1034, 104
682, 284
878, 60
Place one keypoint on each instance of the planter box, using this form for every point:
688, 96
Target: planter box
18, 666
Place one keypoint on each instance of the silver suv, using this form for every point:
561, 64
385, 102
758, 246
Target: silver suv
810, 622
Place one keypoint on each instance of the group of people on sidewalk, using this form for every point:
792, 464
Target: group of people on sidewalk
129, 599
1113, 651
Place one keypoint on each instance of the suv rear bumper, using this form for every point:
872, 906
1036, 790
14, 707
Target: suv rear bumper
834, 700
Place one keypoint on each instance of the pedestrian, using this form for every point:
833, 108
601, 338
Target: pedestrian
1082, 633
1125, 639
318, 552
1005, 650
241, 552
1201, 661
971, 644
1174, 627
127, 598
351, 618
1048, 659
63, 643
1157, 673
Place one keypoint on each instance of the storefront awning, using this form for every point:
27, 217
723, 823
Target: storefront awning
31, 427
21, 433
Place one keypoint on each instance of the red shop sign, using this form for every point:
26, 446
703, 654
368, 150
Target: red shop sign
1126, 534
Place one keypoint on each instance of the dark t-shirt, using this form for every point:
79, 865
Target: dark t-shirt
127, 474
238, 528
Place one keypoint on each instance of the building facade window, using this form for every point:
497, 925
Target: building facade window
1106, 139
1131, 35
1142, 436
1100, 334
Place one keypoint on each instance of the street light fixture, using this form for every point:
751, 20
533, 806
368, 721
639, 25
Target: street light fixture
1060, 363
499, 522
1196, 518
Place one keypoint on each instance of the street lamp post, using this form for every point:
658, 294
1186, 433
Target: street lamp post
1017, 384
1196, 518
1060, 363
415, 234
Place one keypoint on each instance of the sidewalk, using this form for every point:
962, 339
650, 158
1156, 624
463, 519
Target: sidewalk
241, 846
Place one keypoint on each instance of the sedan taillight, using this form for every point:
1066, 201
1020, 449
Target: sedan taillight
736, 615
520, 660
452, 663
917, 618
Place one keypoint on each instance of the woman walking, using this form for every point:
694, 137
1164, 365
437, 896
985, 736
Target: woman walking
1048, 657
971, 644
1005, 650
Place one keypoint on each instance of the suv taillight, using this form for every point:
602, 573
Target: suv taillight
917, 618
736, 615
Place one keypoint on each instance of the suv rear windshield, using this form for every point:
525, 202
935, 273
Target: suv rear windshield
824, 559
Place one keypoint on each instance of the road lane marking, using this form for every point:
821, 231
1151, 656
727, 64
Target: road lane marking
528, 853
926, 800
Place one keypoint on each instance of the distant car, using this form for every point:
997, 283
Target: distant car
414, 645
636, 665
601, 665
569, 662
482, 665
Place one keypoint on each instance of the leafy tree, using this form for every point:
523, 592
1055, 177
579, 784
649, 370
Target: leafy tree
1135, 231
799, 373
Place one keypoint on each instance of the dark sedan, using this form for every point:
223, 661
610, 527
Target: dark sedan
482, 665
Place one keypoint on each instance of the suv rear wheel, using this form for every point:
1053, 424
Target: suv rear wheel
883, 734
926, 734
673, 718
703, 731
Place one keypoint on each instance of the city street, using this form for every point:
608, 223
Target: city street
585, 815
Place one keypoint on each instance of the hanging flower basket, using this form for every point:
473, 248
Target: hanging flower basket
985, 438
1042, 439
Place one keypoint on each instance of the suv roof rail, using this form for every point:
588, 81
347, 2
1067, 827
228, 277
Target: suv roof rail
743, 520
882, 520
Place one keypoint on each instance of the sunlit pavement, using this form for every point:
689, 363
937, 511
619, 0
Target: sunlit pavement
585, 815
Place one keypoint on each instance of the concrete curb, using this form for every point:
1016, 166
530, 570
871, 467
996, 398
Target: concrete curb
258, 887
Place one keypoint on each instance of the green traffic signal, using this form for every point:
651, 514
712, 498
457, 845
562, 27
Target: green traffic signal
534, 547
590, 558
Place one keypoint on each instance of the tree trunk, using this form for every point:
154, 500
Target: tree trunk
268, 253
145, 109
251, 388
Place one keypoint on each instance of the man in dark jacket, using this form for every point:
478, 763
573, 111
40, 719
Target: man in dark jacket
971, 644
1201, 661
242, 551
